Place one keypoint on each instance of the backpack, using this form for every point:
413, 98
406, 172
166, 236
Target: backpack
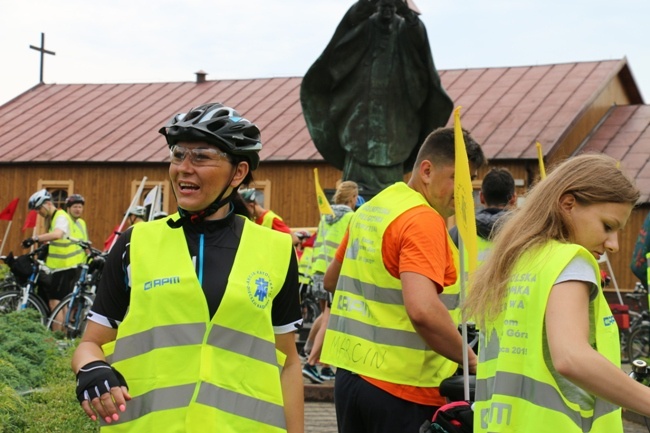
455, 417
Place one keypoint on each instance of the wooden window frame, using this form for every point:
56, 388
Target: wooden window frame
50, 185
265, 187
148, 186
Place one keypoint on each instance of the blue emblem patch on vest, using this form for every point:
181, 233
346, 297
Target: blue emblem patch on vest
609, 320
259, 287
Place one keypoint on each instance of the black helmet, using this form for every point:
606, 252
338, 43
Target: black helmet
219, 125
74, 199
38, 198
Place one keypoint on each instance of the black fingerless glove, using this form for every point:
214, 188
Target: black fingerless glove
28, 242
97, 378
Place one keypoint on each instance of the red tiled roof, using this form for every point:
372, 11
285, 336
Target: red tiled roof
624, 134
507, 110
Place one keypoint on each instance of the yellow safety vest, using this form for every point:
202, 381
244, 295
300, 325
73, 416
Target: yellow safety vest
515, 390
327, 241
304, 266
63, 254
451, 296
267, 219
185, 371
369, 331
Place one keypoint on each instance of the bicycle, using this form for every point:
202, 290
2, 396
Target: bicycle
30, 273
641, 373
638, 317
308, 303
70, 315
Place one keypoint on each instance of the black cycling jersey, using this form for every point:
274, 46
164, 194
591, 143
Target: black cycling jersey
221, 240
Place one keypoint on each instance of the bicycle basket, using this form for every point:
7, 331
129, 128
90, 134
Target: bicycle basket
21, 266
621, 314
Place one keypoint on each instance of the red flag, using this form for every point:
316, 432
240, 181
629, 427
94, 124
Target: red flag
108, 243
7, 213
30, 221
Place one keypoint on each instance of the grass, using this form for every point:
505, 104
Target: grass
37, 387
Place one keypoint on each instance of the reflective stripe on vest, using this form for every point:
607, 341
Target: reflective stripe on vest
62, 253
327, 241
186, 372
515, 390
267, 219
304, 266
369, 331
450, 296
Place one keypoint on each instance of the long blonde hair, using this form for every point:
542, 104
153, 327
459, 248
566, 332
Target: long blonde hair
590, 178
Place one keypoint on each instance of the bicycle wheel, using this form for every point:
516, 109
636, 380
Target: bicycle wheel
7, 286
638, 343
69, 316
12, 301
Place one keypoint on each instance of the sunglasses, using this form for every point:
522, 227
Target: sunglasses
200, 157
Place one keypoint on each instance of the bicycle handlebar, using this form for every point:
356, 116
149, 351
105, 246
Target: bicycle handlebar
86, 245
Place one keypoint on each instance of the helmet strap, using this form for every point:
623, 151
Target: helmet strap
200, 216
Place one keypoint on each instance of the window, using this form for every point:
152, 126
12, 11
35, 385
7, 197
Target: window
60, 190
154, 195
265, 187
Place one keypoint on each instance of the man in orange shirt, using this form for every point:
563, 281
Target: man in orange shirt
390, 335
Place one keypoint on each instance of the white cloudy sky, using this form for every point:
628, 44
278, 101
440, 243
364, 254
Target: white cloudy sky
151, 41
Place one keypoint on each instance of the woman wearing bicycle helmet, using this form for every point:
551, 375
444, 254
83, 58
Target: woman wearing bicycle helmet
210, 297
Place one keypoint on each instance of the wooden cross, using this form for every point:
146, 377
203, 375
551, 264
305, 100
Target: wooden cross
43, 52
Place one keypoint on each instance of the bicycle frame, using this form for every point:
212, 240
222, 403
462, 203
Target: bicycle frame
32, 281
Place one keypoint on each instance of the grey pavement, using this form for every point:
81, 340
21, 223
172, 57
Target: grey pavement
634, 427
320, 417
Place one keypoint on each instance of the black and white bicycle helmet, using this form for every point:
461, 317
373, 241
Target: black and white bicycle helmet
249, 195
219, 125
74, 199
38, 198
139, 211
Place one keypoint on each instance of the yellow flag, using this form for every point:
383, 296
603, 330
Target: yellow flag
323, 205
540, 158
463, 196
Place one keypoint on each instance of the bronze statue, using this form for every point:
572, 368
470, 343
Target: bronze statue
374, 94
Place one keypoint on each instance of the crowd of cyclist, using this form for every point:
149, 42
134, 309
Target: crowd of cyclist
197, 366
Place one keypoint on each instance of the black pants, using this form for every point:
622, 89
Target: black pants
363, 408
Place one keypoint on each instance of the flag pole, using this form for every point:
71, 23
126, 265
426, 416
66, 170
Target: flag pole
466, 223
4, 239
134, 200
540, 159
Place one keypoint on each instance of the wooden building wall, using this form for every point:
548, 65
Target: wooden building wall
108, 190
